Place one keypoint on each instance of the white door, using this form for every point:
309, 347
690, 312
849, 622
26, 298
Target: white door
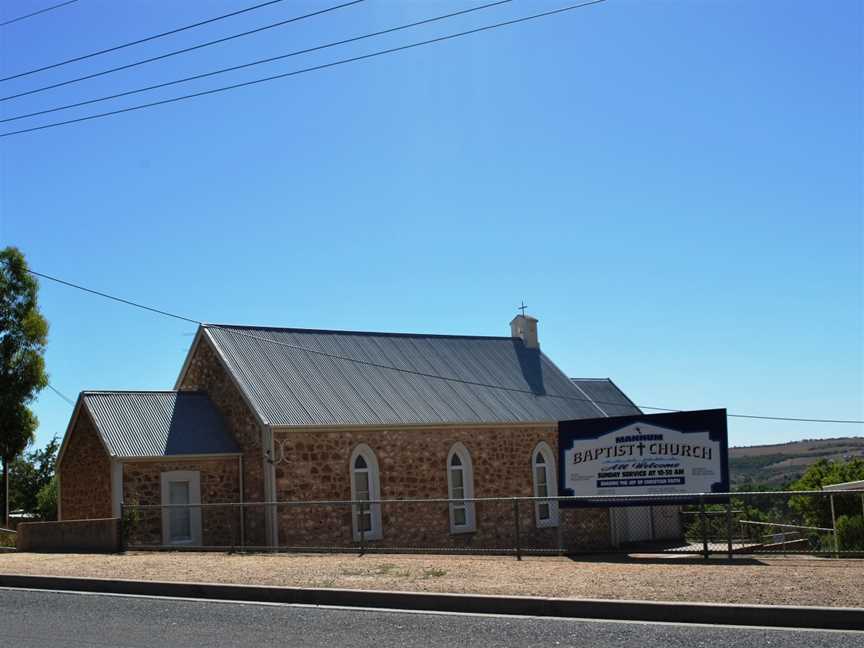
632, 524
667, 522
181, 518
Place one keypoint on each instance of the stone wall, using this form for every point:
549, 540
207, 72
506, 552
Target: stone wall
90, 536
220, 483
85, 473
206, 373
314, 465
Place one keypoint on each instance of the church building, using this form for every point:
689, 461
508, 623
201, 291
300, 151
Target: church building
270, 432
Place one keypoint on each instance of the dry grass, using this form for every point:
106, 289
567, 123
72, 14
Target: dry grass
780, 580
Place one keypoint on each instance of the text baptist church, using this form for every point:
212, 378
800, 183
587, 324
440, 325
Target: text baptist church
264, 415
634, 446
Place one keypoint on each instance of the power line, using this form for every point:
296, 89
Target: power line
36, 13
139, 41
304, 70
61, 394
112, 297
403, 370
258, 62
179, 51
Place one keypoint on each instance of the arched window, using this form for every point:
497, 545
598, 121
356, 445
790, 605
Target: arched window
365, 486
545, 485
460, 482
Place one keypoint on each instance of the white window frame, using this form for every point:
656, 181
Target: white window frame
467, 490
548, 465
376, 532
193, 477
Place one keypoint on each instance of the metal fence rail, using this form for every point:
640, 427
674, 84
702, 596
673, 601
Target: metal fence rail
784, 522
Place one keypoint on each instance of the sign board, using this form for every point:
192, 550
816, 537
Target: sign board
677, 453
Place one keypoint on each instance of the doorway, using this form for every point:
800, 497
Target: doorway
181, 513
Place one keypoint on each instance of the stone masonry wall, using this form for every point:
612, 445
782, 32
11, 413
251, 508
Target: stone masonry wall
314, 465
220, 483
85, 473
206, 373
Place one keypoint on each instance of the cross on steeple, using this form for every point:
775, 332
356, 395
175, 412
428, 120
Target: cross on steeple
523, 307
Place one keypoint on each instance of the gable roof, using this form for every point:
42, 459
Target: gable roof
307, 377
158, 424
606, 396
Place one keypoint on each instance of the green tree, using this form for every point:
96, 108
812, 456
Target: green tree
815, 510
46, 500
23, 335
29, 474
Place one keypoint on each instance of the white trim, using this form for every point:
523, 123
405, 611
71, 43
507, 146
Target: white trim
188, 359
194, 479
376, 532
467, 469
203, 331
58, 464
69, 427
548, 466
73, 422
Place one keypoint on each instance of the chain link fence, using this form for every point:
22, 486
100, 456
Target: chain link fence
787, 522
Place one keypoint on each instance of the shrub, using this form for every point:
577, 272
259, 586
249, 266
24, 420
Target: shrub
46, 500
850, 532
7, 539
130, 520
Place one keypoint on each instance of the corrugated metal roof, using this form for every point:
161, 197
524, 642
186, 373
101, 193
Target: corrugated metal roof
158, 424
303, 377
606, 396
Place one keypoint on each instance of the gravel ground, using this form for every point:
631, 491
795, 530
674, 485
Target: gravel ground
775, 581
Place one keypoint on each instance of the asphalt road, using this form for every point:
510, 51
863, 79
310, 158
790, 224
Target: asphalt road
51, 619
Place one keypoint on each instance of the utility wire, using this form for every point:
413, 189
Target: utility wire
304, 70
61, 394
136, 42
180, 51
258, 62
296, 347
36, 13
112, 297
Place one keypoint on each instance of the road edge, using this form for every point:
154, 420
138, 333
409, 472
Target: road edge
816, 618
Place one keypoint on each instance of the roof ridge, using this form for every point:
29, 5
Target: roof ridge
596, 379
295, 329
143, 391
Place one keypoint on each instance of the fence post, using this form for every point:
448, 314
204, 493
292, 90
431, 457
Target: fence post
275, 517
834, 526
703, 517
122, 528
516, 528
242, 527
729, 525
560, 530
361, 524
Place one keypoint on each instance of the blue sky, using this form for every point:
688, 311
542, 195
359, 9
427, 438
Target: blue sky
674, 189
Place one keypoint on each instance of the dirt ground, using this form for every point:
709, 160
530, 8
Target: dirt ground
775, 580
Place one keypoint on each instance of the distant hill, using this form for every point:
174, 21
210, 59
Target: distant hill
777, 465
